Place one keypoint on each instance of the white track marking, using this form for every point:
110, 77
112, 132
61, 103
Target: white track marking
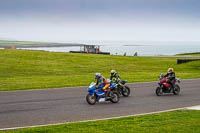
14, 128
194, 107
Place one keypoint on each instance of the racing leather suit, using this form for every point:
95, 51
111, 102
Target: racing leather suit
102, 83
115, 78
171, 76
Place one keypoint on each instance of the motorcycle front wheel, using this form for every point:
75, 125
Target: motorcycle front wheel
126, 91
91, 99
114, 97
158, 91
176, 90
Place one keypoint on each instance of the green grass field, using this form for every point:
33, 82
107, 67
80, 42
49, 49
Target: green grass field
181, 121
23, 69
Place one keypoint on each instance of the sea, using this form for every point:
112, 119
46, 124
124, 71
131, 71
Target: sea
129, 48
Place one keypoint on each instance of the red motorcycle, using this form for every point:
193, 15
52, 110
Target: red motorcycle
166, 87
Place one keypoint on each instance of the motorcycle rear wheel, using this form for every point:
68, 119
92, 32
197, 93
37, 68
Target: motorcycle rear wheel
114, 97
126, 91
176, 90
91, 99
158, 91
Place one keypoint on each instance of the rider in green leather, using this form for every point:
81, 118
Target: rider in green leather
114, 76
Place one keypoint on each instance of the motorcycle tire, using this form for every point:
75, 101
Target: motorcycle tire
91, 99
126, 91
158, 91
176, 90
114, 97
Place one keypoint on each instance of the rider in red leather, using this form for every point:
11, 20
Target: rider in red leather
171, 75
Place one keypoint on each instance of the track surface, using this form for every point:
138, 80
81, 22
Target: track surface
35, 107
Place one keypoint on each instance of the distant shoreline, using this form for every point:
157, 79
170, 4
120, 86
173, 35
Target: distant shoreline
41, 45
136, 45
30, 44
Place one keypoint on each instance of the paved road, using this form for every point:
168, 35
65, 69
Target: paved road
35, 107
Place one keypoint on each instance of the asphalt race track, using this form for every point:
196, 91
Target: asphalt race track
38, 107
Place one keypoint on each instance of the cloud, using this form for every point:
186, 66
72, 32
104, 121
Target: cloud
100, 19
99, 7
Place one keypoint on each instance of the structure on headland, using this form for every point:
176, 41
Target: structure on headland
90, 49
84, 48
10, 47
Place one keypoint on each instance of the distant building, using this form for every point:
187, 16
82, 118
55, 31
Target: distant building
10, 47
90, 49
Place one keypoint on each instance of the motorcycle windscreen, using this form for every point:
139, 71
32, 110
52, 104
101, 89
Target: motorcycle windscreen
92, 88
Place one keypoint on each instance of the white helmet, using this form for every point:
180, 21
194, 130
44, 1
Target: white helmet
97, 75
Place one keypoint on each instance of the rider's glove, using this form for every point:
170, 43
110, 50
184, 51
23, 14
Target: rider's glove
104, 88
96, 86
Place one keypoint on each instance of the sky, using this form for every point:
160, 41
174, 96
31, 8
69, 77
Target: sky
66, 20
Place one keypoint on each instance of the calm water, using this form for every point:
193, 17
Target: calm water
142, 48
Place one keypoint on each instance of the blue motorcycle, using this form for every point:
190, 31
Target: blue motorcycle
95, 95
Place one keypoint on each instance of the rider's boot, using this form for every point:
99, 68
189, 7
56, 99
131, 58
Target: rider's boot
172, 87
107, 95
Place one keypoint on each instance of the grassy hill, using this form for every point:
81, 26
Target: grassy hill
22, 69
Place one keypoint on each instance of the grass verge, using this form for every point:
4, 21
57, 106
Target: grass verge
23, 69
180, 121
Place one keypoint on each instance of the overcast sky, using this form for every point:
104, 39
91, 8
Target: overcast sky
64, 20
